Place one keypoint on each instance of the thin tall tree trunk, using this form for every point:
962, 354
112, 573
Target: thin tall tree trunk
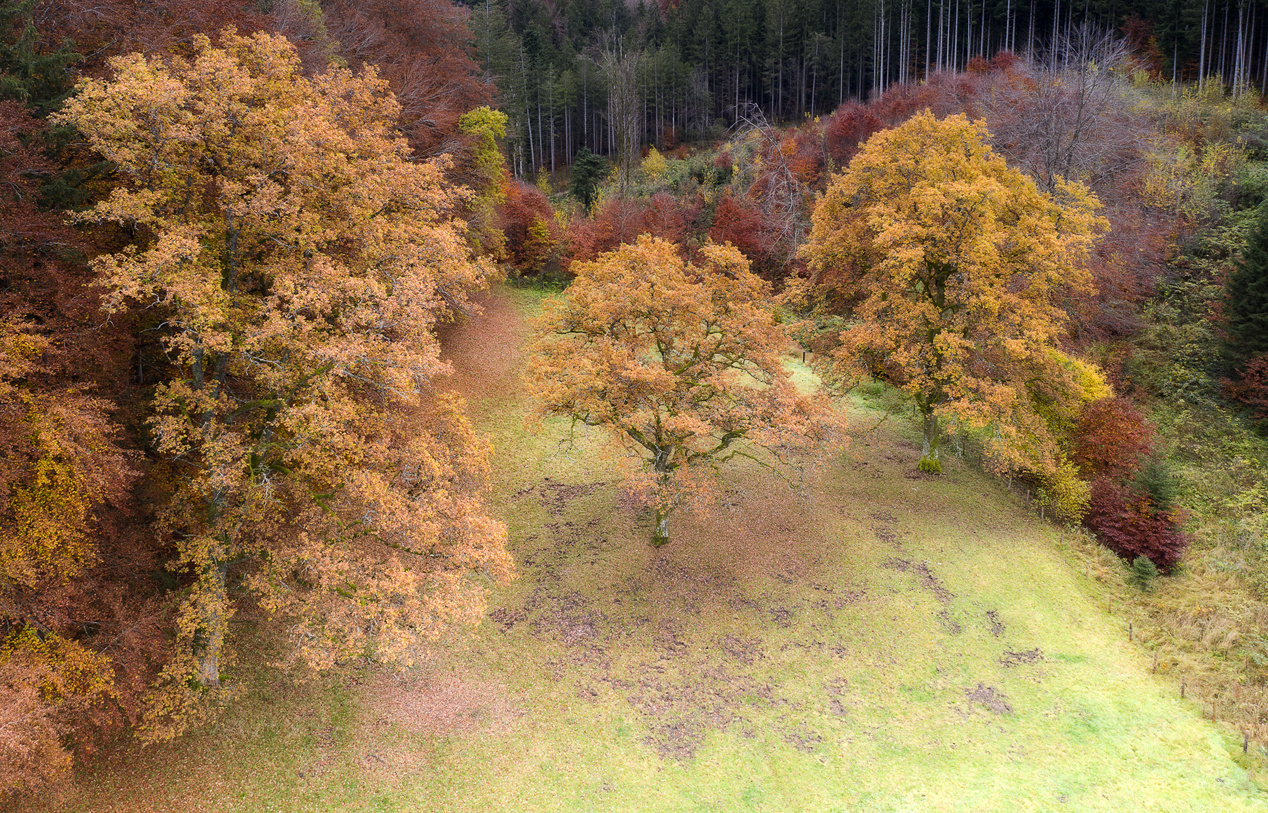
928, 36
1202, 51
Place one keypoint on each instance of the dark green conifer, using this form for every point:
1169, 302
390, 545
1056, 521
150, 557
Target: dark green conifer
588, 170
1246, 300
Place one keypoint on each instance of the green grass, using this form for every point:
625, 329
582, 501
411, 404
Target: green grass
880, 643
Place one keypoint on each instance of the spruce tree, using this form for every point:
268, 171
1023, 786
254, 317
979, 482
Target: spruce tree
1246, 300
588, 170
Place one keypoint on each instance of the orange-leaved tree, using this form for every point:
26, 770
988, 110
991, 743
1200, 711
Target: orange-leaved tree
679, 360
295, 261
952, 271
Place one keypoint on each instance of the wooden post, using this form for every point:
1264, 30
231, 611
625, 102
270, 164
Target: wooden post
1154, 671
1131, 632
1182, 688
1245, 741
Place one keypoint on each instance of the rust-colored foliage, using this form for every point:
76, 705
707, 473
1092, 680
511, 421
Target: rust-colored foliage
423, 49
1143, 45
679, 361
46, 683
528, 222
298, 292
1128, 521
76, 644
1112, 440
63, 487
619, 221
847, 128
24, 228
103, 28
1250, 387
742, 224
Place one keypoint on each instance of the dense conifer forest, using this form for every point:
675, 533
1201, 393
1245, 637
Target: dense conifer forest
699, 67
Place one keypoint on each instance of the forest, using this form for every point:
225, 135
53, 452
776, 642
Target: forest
243, 243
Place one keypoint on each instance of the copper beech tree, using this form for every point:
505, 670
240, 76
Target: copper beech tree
951, 271
295, 261
679, 360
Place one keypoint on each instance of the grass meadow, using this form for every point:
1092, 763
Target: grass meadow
870, 641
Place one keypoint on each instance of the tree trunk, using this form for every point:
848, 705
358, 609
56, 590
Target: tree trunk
930, 460
660, 535
212, 637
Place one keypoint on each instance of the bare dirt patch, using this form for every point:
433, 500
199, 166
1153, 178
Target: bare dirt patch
557, 497
1028, 656
990, 697
925, 574
997, 626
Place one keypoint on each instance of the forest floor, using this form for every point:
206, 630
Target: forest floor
870, 641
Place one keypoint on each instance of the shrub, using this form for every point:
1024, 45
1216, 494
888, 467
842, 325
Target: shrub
1250, 388
1143, 572
1127, 521
528, 222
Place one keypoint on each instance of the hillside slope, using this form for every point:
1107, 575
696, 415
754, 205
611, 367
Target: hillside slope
874, 642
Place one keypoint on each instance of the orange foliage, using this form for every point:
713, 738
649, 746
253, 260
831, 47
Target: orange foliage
298, 294
528, 222
680, 361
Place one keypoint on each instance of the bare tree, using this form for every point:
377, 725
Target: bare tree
625, 111
1069, 118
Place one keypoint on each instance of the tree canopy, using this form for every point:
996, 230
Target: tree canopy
679, 360
951, 270
294, 262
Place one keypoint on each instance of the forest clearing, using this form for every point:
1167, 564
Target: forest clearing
884, 641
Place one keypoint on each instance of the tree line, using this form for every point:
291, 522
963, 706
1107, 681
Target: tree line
700, 66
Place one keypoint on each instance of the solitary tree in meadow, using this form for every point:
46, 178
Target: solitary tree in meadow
679, 360
951, 271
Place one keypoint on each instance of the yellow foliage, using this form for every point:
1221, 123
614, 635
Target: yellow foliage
950, 268
655, 164
1064, 493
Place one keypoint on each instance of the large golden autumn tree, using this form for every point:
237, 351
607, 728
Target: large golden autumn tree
680, 361
295, 262
951, 271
